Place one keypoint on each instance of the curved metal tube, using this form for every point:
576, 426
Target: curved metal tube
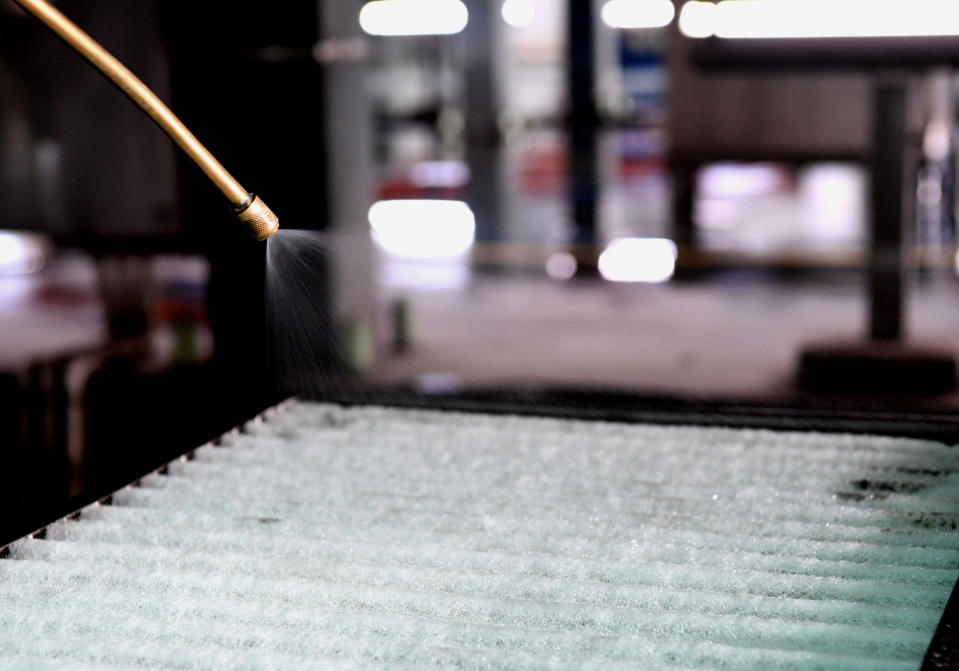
248, 208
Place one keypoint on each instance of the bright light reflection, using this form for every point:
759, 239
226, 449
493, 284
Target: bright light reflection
422, 229
442, 275
561, 266
937, 140
637, 13
413, 17
21, 252
821, 18
738, 180
650, 260
440, 174
518, 13
696, 19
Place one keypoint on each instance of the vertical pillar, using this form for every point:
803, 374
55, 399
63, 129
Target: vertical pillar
343, 50
683, 199
886, 262
482, 116
582, 120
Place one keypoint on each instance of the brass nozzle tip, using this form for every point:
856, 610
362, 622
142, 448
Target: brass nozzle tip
261, 220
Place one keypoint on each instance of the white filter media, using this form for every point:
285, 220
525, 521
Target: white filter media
367, 538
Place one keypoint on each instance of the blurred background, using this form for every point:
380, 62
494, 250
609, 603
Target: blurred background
590, 205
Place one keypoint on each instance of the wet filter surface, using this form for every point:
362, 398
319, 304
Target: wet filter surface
335, 538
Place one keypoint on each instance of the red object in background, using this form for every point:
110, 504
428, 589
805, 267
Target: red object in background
174, 311
637, 167
59, 295
398, 188
543, 171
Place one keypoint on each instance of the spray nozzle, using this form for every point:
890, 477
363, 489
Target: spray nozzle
258, 217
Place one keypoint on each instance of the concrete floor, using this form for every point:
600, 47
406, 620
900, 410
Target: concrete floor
731, 336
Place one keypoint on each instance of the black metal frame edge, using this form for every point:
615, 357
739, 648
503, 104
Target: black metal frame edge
943, 652
71, 509
853, 54
625, 407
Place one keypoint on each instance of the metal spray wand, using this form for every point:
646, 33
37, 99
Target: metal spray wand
248, 208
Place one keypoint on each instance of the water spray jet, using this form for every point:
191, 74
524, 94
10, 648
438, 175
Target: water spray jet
247, 207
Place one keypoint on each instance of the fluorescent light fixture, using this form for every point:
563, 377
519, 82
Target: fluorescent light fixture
739, 180
422, 229
637, 13
651, 260
820, 18
696, 19
22, 253
518, 13
433, 275
413, 17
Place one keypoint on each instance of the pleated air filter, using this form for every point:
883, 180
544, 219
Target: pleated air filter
335, 538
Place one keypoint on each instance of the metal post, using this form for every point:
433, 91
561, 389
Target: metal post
886, 258
583, 122
481, 117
